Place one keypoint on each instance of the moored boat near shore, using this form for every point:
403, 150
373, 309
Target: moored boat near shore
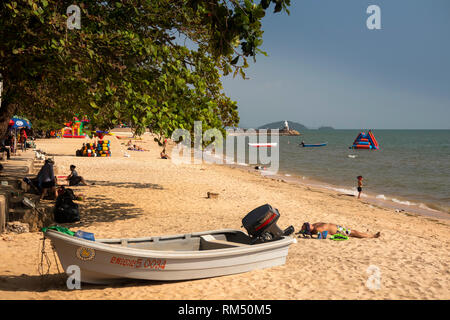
313, 145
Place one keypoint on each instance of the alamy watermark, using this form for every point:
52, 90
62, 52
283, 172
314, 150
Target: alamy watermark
373, 22
74, 17
374, 281
74, 279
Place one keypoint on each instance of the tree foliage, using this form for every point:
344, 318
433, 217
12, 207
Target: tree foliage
129, 62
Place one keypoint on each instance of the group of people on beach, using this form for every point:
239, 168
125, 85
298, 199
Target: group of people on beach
46, 181
333, 229
8, 145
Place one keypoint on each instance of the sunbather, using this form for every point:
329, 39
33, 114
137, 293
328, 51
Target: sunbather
310, 229
136, 148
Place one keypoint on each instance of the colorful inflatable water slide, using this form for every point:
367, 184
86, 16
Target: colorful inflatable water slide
365, 141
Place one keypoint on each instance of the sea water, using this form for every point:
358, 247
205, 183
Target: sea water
411, 167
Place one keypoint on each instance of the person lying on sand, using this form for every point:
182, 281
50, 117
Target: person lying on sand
310, 229
136, 148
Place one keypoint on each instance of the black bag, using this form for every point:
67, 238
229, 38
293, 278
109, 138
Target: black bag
65, 209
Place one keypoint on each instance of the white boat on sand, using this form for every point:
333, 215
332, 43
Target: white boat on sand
177, 257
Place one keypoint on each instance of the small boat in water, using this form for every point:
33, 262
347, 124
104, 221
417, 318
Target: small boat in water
267, 145
313, 145
178, 257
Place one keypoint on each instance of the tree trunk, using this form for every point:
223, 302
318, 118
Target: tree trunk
7, 110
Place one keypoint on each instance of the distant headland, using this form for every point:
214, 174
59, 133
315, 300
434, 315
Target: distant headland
285, 128
326, 128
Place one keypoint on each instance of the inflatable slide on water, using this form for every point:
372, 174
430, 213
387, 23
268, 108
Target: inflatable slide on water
365, 141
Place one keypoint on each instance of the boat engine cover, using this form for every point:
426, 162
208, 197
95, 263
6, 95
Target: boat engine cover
262, 220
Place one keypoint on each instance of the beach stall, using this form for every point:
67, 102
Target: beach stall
100, 149
74, 129
15, 125
365, 141
104, 148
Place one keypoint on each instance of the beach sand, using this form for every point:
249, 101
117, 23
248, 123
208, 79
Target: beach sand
143, 195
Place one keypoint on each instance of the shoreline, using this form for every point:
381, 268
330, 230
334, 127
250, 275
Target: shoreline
387, 202
370, 197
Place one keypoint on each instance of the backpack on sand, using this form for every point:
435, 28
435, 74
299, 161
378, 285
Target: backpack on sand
66, 210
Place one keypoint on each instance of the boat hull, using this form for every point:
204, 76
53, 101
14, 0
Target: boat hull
102, 263
314, 145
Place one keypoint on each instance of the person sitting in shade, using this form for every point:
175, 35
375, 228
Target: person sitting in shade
74, 178
3, 148
164, 155
315, 228
46, 180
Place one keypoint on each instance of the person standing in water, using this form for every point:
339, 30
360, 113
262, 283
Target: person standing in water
360, 184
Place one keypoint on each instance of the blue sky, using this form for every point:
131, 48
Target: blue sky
325, 67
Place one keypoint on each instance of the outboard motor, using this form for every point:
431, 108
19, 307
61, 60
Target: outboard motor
261, 224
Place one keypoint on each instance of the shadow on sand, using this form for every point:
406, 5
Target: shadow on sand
128, 185
58, 281
97, 209
51, 155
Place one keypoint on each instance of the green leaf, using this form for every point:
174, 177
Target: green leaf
235, 60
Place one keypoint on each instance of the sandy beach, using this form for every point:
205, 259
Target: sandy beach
143, 195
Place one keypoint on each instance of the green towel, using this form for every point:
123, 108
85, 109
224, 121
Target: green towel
59, 229
338, 237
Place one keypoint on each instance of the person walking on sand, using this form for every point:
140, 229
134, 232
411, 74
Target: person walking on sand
23, 139
360, 184
310, 229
